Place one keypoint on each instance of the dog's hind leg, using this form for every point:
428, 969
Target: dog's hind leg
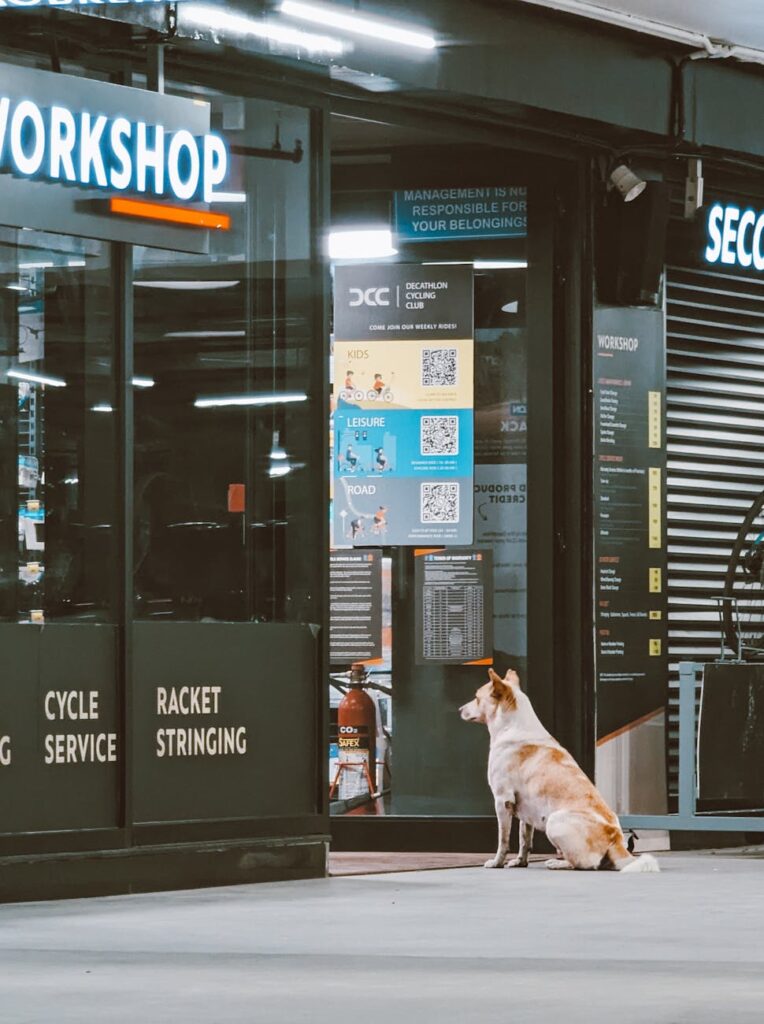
504, 811
526, 840
582, 839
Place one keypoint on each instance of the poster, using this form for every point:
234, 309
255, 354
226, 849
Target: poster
631, 656
403, 423
501, 524
440, 214
501, 395
355, 607
454, 590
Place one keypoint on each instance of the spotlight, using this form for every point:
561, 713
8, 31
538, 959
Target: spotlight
628, 184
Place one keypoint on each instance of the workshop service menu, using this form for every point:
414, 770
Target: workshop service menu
629, 497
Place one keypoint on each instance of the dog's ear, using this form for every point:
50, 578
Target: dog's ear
512, 677
498, 686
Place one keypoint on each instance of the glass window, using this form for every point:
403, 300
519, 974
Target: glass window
57, 429
224, 350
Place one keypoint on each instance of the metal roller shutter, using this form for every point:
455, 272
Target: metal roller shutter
715, 439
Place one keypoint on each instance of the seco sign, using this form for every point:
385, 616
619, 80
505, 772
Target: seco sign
735, 237
94, 151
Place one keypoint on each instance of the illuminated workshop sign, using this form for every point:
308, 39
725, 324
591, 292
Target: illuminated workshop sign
78, 147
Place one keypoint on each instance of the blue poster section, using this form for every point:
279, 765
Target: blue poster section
441, 214
403, 442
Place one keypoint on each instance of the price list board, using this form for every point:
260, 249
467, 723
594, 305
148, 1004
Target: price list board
629, 515
454, 613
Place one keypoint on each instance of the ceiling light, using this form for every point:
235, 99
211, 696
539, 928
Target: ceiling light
334, 18
627, 182
260, 399
42, 265
278, 454
17, 286
143, 382
361, 244
186, 286
76, 263
36, 378
280, 469
510, 307
223, 21
101, 407
205, 334
500, 264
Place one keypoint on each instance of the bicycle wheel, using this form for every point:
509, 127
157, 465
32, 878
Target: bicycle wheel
743, 606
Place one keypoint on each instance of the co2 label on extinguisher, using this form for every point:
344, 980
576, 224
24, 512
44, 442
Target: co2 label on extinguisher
355, 753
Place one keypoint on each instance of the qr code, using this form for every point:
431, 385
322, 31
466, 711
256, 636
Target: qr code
439, 503
438, 367
439, 435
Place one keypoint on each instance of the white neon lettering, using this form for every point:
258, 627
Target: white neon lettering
90, 149
63, 132
729, 234
121, 129
714, 249
5, 106
183, 140
758, 249
215, 165
29, 164
150, 156
744, 256
5, 751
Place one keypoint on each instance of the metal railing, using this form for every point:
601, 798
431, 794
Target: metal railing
687, 817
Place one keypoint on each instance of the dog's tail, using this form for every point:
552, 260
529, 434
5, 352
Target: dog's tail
622, 860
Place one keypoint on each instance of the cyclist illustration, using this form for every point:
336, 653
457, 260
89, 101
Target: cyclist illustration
351, 458
381, 460
356, 528
379, 524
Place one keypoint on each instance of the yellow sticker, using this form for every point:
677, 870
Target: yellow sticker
655, 647
655, 583
654, 419
654, 507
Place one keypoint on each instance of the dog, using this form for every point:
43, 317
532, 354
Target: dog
533, 778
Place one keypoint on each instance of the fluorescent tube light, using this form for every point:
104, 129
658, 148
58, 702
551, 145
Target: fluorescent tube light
186, 286
36, 378
261, 399
280, 469
331, 17
42, 265
500, 264
76, 263
143, 382
217, 19
101, 407
190, 335
361, 244
278, 454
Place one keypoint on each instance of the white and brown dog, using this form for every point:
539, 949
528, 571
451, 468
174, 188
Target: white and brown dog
533, 778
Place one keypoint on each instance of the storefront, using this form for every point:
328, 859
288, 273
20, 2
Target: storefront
304, 417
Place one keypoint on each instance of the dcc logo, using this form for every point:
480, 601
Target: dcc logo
369, 297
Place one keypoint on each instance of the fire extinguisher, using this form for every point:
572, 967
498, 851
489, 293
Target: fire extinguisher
357, 728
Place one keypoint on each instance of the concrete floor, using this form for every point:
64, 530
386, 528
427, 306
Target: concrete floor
449, 946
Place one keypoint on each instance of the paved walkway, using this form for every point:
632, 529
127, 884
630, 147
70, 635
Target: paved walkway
463, 945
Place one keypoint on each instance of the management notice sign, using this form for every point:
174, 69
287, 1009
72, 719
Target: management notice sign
440, 214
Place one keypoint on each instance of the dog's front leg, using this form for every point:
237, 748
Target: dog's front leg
504, 811
526, 840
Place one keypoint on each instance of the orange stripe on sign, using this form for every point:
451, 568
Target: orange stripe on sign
174, 214
480, 661
418, 552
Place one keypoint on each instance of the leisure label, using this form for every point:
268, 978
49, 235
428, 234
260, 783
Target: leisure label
92, 150
440, 214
